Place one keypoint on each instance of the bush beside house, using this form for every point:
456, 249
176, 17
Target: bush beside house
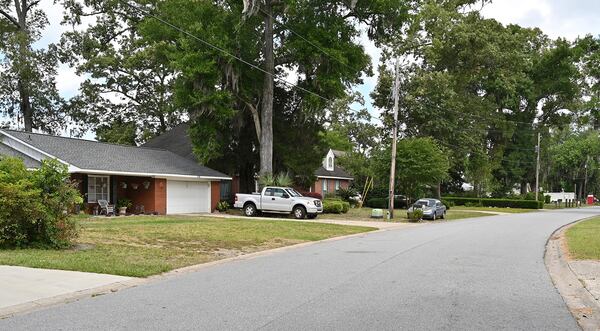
35, 205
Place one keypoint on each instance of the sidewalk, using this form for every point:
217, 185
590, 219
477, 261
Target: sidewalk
577, 281
24, 288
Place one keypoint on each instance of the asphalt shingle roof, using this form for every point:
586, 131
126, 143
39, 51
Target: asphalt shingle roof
93, 155
176, 140
337, 172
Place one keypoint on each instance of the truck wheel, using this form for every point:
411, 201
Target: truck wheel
250, 210
299, 212
311, 216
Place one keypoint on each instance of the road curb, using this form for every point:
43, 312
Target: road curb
582, 305
49, 302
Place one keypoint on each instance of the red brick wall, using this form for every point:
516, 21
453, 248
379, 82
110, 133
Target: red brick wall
154, 198
318, 185
160, 196
215, 195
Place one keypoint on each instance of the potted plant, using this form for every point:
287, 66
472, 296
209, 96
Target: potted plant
123, 205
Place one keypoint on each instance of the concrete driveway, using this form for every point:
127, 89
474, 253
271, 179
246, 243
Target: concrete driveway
484, 273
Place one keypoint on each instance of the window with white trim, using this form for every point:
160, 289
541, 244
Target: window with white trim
337, 184
98, 188
330, 163
324, 185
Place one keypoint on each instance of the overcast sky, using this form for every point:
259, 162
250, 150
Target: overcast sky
557, 18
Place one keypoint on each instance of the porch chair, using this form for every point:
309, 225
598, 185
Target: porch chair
106, 208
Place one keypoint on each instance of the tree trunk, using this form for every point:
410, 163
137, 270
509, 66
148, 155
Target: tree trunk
438, 191
266, 139
23, 81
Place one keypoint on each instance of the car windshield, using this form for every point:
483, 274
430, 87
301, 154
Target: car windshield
293, 193
421, 203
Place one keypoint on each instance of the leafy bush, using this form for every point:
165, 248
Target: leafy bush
346, 193
331, 206
35, 205
488, 202
377, 203
312, 195
332, 196
415, 216
345, 206
281, 179
547, 198
447, 203
222, 206
383, 203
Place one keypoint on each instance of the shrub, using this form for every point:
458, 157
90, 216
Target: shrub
345, 206
377, 203
35, 205
281, 179
383, 203
335, 206
488, 202
447, 203
312, 195
222, 206
415, 216
547, 198
347, 193
332, 196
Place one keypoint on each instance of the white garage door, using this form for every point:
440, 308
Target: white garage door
187, 197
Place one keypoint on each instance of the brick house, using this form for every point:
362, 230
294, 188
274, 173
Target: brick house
155, 180
330, 176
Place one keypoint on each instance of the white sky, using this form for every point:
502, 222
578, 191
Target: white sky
557, 18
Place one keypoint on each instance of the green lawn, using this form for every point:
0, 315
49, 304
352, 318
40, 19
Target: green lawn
495, 209
364, 214
147, 245
583, 240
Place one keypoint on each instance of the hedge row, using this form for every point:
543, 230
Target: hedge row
333, 206
488, 202
383, 203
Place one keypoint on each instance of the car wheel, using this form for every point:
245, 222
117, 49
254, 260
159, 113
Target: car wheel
433, 216
443, 215
299, 212
250, 210
311, 216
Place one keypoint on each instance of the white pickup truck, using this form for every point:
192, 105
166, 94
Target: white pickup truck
280, 200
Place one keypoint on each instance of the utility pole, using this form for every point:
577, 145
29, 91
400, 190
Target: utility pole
584, 195
394, 137
537, 168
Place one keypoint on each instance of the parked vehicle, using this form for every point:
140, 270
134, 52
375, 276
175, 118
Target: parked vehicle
400, 201
432, 208
279, 200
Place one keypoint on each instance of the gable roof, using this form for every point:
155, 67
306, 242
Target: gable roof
176, 140
92, 156
337, 172
30, 162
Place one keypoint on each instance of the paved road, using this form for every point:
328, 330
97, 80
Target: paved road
485, 273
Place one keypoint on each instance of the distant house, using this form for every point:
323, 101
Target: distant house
155, 180
330, 176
